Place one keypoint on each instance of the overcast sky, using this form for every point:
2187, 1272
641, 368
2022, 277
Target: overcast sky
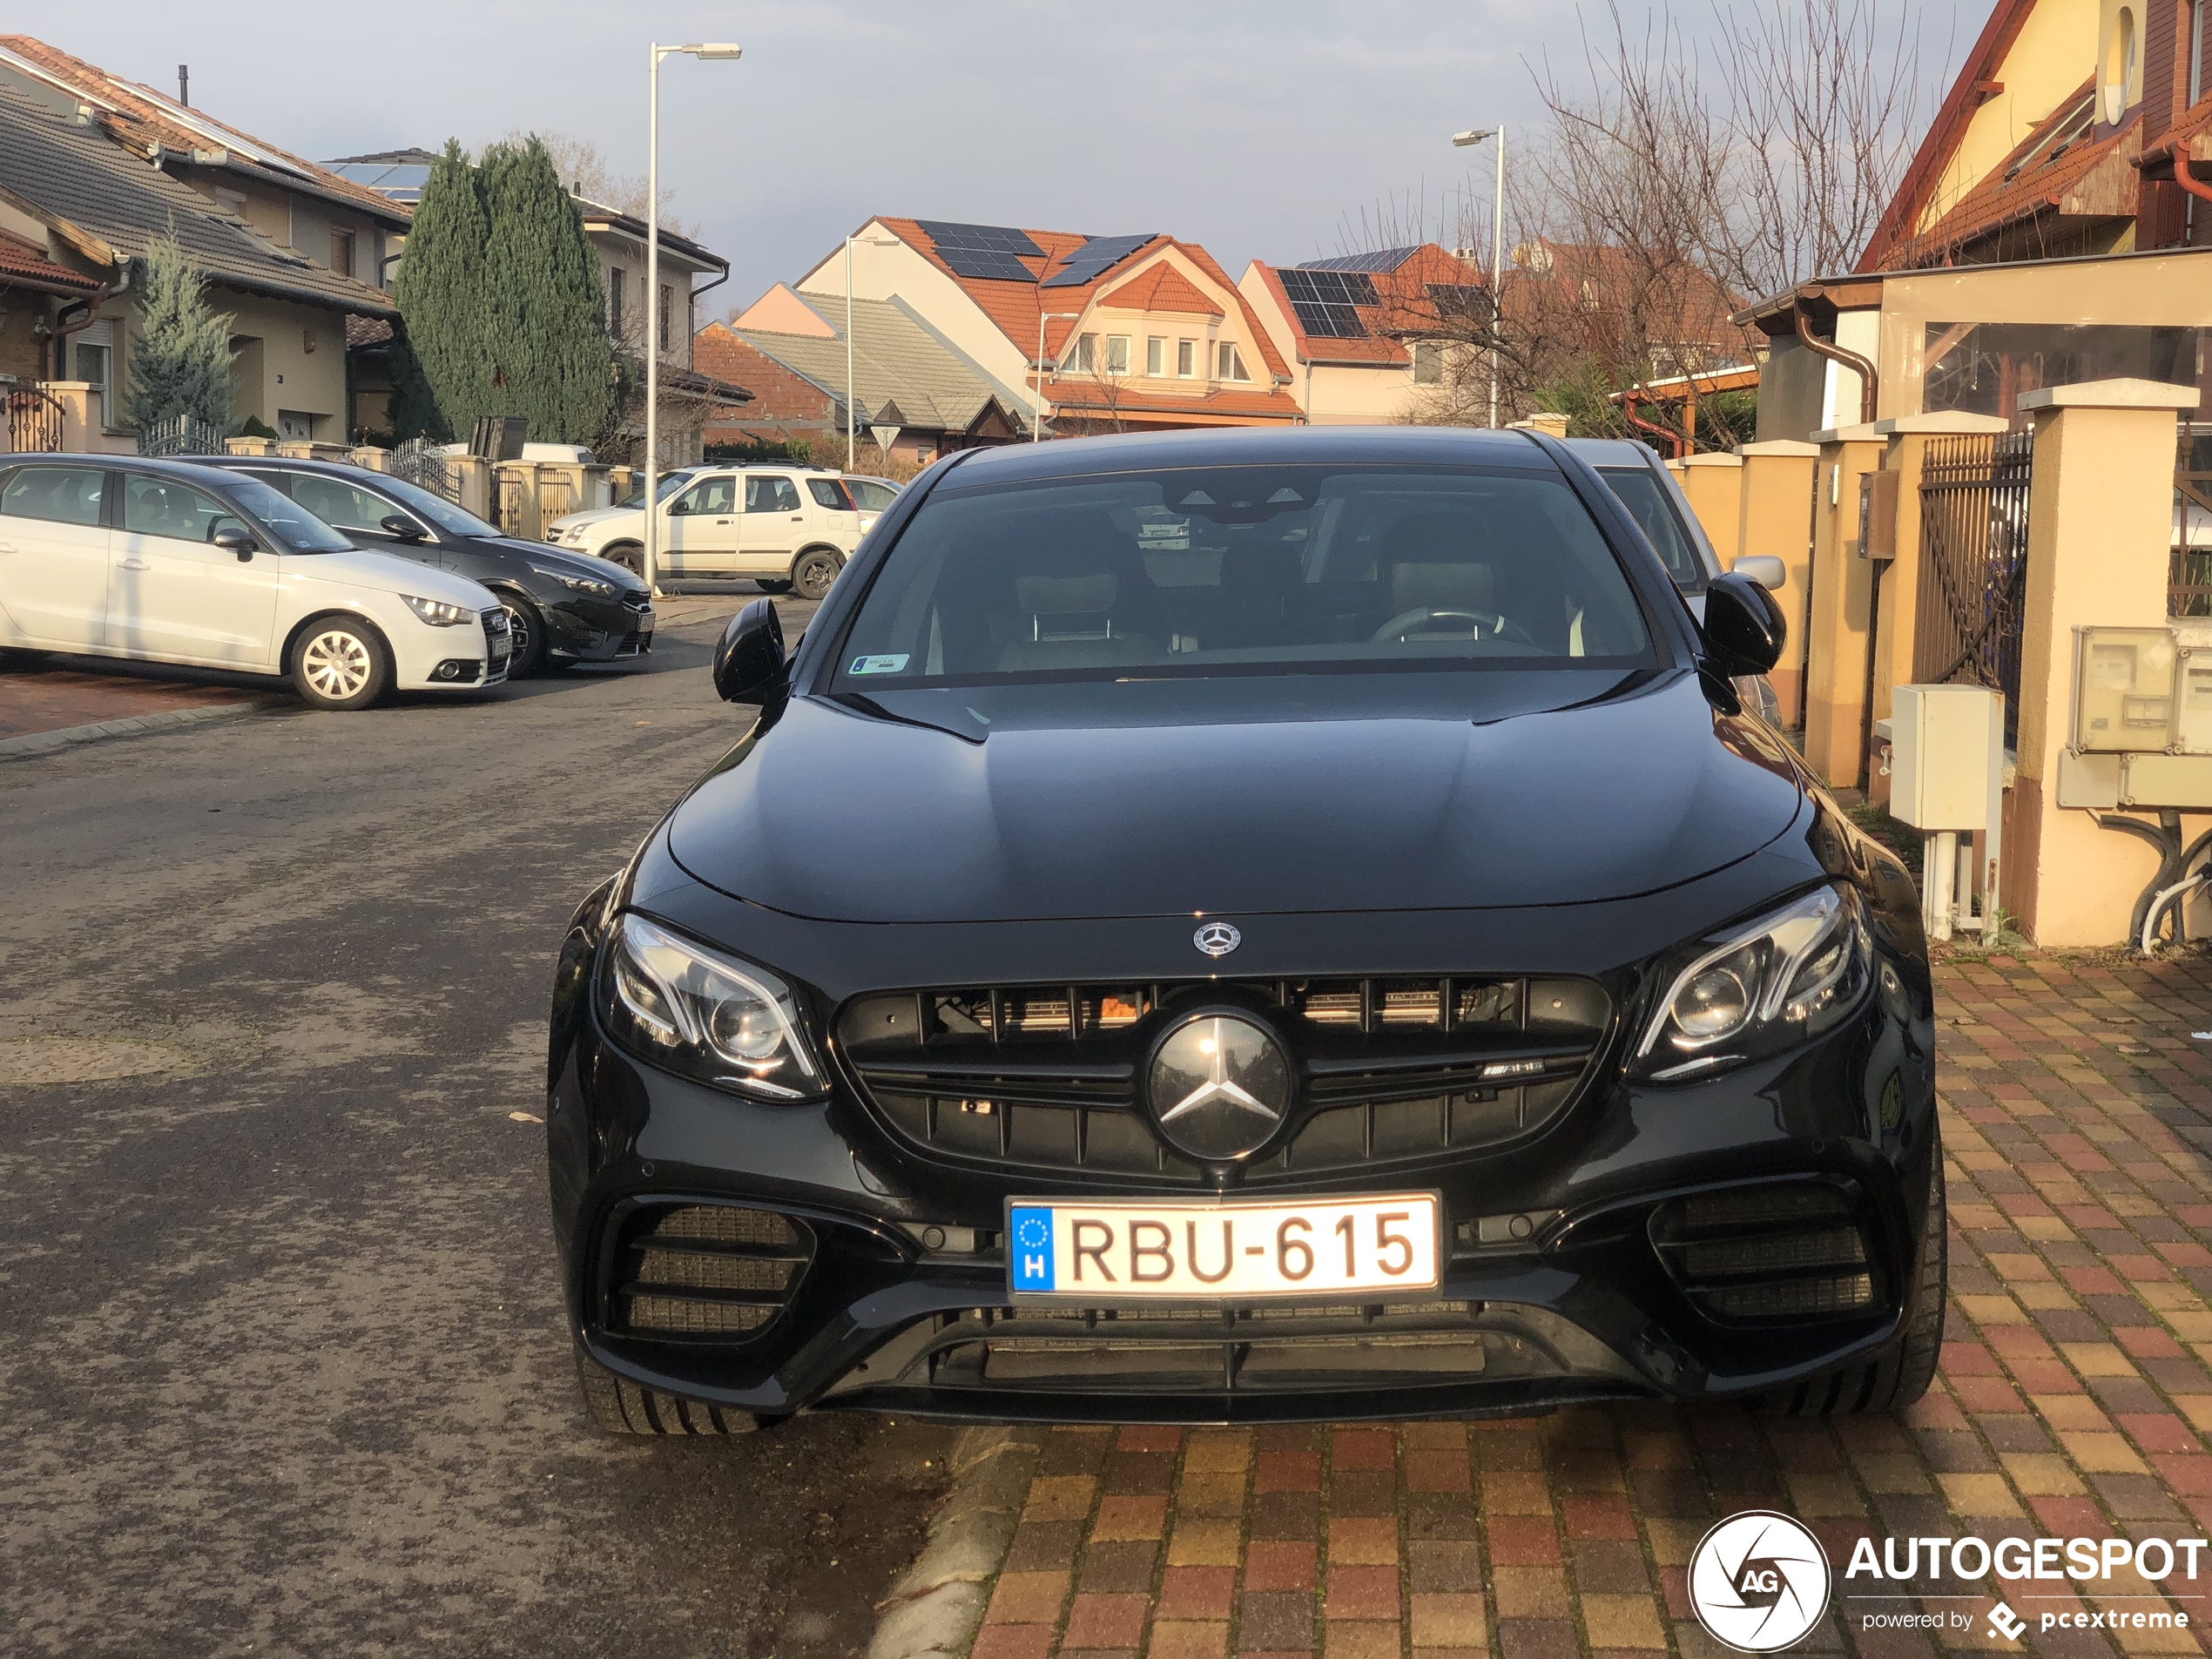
1259, 130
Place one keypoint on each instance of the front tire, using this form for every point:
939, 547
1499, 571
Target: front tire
629, 555
620, 1406
771, 583
341, 662
526, 642
813, 571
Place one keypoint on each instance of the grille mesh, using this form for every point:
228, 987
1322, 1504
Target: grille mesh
707, 1272
1790, 1251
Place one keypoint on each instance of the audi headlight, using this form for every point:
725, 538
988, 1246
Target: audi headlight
687, 1009
1784, 979
586, 584
437, 613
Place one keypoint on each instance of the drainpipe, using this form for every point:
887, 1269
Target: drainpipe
1869, 382
89, 305
1672, 440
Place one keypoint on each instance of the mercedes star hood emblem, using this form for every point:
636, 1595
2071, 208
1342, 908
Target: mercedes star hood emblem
1219, 1085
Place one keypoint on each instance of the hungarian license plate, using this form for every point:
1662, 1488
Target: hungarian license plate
1122, 1250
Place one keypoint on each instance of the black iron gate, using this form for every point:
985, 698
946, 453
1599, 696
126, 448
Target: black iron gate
34, 421
1973, 565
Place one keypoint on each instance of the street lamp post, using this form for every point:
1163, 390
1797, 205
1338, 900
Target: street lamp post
1036, 410
705, 49
1497, 252
851, 417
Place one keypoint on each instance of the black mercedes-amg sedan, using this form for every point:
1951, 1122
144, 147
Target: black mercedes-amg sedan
1217, 926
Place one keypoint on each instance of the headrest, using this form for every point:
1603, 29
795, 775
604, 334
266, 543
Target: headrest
1261, 570
1440, 587
1065, 596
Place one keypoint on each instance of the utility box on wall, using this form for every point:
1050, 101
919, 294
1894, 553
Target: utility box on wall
1947, 755
1878, 516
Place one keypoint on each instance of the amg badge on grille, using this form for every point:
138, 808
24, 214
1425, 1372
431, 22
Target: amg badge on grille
1219, 1085
1216, 939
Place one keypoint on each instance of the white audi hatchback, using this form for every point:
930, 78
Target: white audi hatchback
166, 561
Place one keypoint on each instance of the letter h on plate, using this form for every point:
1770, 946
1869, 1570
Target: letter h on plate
1029, 1242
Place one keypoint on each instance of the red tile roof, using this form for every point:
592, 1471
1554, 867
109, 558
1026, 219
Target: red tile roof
1160, 288
27, 264
1404, 304
1079, 397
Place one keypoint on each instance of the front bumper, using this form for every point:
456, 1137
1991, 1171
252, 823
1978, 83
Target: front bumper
1555, 1290
591, 631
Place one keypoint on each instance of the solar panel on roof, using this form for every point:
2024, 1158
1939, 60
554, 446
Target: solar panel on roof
1388, 258
1094, 257
980, 238
990, 263
1324, 302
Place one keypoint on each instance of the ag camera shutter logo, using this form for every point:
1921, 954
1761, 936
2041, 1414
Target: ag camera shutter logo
1758, 1581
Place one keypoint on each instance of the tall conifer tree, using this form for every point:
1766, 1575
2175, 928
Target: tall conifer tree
441, 359
545, 331
180, 361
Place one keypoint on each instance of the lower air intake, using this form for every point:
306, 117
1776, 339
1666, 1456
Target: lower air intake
707, 1272
1786, 1253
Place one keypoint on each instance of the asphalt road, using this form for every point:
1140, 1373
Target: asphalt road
284, 1365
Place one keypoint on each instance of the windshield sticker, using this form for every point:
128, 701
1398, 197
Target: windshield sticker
892, 665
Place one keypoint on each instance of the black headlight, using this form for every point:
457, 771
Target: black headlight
1762, 989
687, 1009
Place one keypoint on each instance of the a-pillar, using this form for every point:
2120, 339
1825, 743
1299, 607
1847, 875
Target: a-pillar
1775, 513
1843, 588
1898, 613
2100, 530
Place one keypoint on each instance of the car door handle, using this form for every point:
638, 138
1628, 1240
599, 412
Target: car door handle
7, 547
136, 564
799, 518
721, 521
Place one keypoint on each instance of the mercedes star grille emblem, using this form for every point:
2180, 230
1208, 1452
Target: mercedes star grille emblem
1219, 1086
1216, 939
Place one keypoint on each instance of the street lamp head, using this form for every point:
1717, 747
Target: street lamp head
714, 48
1473, 135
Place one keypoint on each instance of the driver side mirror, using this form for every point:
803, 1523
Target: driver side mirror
236, 542
749, 664
1744, 628
402, 529
676, 507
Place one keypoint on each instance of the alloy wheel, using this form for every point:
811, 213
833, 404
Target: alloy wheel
815, 573
337, 663
521, 640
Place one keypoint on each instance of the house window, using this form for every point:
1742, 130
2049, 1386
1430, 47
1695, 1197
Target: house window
2196, 51
615, 275
1232, 366
667, 306
1186, 359
1428, 362
94, 358
1117, 353
1084, 358
1156, 357
341, 253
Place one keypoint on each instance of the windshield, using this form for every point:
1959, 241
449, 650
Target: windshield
298, 530
667, 485
435, 507
1223, 570
1651, 507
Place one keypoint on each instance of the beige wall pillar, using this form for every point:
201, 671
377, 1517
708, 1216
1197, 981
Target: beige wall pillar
1843, 588
1774, 516
1897, 616
373, 457
1714, 484
472, 483
2100, 526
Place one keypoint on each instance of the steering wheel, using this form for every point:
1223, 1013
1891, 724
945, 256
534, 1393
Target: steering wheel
1401, 625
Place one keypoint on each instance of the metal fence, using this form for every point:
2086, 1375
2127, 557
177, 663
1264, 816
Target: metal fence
421, 462
34, 422
1973, 565
181, 435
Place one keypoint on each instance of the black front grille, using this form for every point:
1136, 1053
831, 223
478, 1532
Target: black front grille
706, 1272
1783, 1253
1389, 1070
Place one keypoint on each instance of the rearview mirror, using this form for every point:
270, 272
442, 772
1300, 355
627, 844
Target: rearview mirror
749, 664
1744, 629
405, 530
1764, 568
236, 542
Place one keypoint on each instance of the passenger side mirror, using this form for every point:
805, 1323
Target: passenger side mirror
236, 542
749, 664
1744, 629
1764, 568
404, 530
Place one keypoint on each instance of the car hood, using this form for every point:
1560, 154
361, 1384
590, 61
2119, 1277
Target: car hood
564, 561
390, 573
595, 516
1183, 797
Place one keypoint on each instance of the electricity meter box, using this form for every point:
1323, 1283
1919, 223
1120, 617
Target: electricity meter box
1946, 755
2123, 689
2193, 688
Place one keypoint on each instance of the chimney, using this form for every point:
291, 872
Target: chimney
184, 85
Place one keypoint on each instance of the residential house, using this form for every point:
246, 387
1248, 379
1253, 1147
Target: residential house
2051, 229
791, 352
1091, 333
309, 246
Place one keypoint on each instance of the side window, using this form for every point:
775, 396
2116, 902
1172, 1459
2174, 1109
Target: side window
827, 492
154, 506
61, 494
770, 495
339, 505
712, 497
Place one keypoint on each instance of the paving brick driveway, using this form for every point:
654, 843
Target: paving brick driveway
2073, 1401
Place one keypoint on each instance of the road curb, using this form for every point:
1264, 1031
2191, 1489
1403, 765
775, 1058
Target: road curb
34, 744
932, 1612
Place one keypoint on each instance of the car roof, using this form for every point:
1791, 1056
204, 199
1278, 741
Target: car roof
199, 469
1614, 452
295, 463
1256, 446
